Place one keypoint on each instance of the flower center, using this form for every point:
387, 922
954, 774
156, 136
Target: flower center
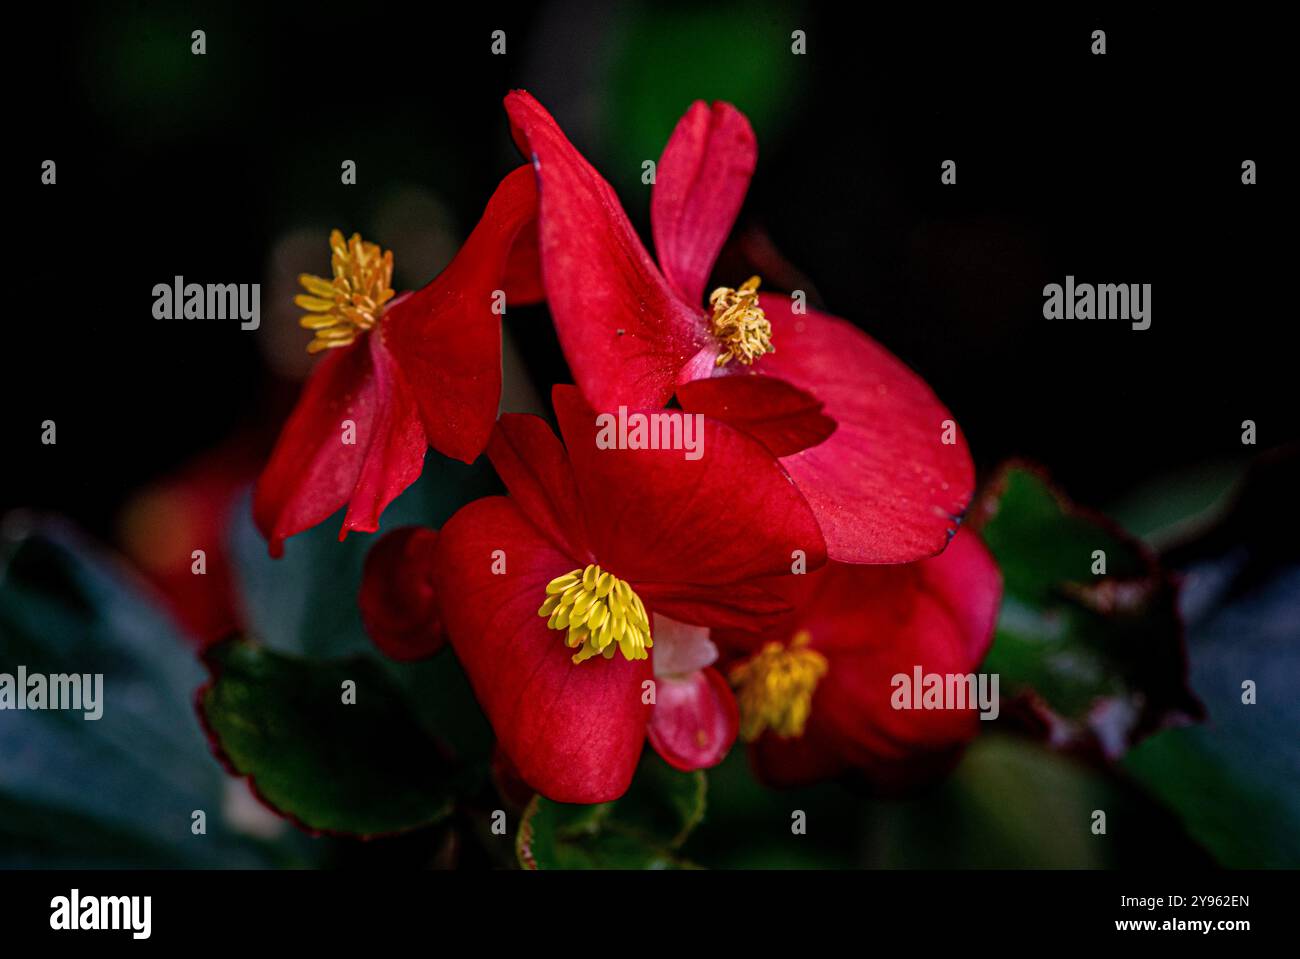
339, 310
601, 613
774, 687
742, 330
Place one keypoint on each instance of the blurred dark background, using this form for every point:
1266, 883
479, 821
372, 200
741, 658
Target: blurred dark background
226, 168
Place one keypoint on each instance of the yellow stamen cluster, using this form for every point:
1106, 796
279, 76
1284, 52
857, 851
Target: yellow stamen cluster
601, 613
774, 688
339, 310
739, 324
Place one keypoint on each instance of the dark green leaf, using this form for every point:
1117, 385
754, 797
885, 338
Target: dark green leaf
642, 830
119, 790
1095, 661
363, 768
1233, 782
1011, 803
1173, 508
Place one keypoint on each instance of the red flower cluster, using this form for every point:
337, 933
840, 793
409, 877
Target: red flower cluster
760, 560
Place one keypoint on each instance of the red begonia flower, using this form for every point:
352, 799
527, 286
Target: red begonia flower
883, 466
400, 375
398, 599
601, 539
816, 688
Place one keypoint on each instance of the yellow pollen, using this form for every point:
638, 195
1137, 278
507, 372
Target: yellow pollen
338, 310
774, 687
743, 332
601, 613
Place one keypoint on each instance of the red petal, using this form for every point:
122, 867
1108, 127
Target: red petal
966, 578
656, 517
446, 337
799, 761
900, 777
574, 732
884, 486
942, 623
694, 721
531, 461
312, 472
399, 599
741, 606
938, 615
782, 417
816, 757
872, 623
395, 452
700, 184
523, 275
624, 330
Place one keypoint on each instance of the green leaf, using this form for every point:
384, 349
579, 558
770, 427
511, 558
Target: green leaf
642, 830
664, 58
1011, 803
305, 605
1042, 541
1179, 506
755, 830
119, 790
1232, 782
1094, 661
360, 768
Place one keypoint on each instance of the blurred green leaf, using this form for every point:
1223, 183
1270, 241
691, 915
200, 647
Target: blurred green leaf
1235, 782
1175, 507
140, 63
753, 827
117, 791
665, 58
305, 602
359, 768
1094, 661
1011, 803
642, 830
